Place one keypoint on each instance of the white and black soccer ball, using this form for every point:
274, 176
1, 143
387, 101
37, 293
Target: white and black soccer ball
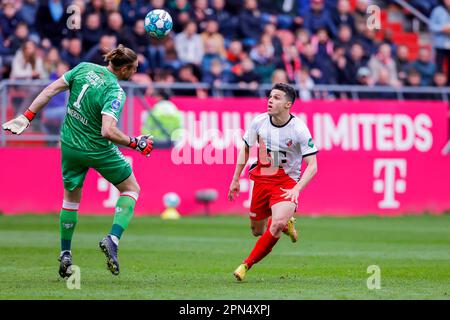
158, 23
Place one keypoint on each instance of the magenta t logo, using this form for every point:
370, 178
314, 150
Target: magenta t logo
391, 183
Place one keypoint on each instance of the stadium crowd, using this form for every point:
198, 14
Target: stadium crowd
305, 42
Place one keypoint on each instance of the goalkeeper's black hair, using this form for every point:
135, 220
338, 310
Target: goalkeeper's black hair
120, 57
289, 90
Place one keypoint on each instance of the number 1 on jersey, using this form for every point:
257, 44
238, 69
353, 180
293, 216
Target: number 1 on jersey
77, 104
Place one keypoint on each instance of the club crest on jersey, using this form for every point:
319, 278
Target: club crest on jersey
289, 142
115, 105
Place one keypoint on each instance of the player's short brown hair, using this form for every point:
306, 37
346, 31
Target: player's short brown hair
120, 57
291, 94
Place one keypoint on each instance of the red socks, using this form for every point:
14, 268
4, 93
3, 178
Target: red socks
262, 248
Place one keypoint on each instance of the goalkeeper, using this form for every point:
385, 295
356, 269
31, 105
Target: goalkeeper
88, 140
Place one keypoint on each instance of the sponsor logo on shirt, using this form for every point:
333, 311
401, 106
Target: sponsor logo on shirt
310, 143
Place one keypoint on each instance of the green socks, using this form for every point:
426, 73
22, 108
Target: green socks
124, 213
68, 219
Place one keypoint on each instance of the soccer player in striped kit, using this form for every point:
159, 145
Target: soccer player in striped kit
284, 142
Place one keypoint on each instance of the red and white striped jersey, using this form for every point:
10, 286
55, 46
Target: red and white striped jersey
281, 148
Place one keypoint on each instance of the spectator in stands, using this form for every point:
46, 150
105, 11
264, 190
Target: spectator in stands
250, 23
96, 6
211, 34
55, 111
20, 36
110, 6
279, 76
291, 63
322, 44
308, 60
200, 13
360, 15
263, 57
156, 53
413, 79
189, 45
92, 31
340, 61
402, 62
319, 17
235, 52
211, 53
139, 39
166, 78
363, 78
302, 38
247, 79
228, 23
186, 75
27, 64
305, 84
28, 11
233, 6
384, 81
145, 80
387, 38
140, 44
368, 40
51, 21
51, 62
9, 17
157, 4
440, 30
115, 27
425, 66
180, 12
95, 55
345, 37
171, 60
132, 10
440, 81
73, 53
216, 75
283, 13
270, 31
383, 59
343, 17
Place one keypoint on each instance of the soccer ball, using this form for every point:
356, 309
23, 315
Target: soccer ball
158, 23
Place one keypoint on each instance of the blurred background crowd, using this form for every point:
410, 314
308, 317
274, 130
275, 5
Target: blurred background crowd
246, 43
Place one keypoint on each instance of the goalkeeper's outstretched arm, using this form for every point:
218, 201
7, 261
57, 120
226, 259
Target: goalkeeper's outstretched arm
20, 123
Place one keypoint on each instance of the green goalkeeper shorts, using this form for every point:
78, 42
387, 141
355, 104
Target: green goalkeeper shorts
111, 164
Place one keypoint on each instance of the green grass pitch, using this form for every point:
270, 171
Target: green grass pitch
193, 258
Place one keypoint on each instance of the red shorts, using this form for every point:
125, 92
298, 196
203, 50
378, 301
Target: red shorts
265, 195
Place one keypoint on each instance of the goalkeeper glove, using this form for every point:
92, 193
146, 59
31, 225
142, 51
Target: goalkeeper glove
143, 144
19, 124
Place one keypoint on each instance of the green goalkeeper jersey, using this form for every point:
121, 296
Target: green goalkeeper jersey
94, 91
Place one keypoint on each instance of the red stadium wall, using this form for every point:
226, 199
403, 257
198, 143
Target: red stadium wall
375, 157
